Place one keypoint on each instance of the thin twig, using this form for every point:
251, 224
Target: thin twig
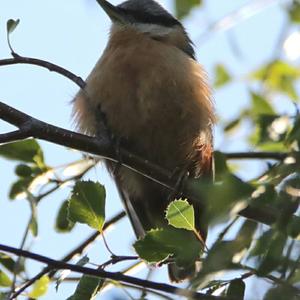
18, 261
44, 64
78, 250
279, 156
56, 264
116, 259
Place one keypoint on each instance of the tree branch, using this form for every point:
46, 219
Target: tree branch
44, 64
258, 155
31, 127
78, 250
56, 264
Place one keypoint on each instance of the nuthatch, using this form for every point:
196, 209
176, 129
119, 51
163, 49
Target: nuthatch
156, 101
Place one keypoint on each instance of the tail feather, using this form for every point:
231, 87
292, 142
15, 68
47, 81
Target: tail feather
178, 274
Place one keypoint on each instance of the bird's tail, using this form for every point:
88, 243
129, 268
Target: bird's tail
178, 274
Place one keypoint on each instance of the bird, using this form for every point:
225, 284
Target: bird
157, 103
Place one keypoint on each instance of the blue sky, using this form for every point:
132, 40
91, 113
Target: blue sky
73, 33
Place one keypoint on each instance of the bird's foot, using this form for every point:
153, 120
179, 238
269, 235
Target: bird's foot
179, 176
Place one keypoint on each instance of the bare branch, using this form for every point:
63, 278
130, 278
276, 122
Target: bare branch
13, 136
258, 155
56, 264
44, 64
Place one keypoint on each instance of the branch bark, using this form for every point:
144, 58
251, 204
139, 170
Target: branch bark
31, 127
17, 59
78, 250
56, 264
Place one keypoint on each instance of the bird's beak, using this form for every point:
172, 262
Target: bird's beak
113, 12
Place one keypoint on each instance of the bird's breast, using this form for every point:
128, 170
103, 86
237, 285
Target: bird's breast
153, 95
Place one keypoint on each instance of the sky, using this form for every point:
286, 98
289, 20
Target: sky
73, 34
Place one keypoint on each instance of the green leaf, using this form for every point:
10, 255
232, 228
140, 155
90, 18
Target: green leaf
232, 125
245, 235
221, 255
4, 280
64, 274
159, 244
293, 228
279, 76
183, 7
34, 225
260, 105
295, 278
7, 262
236, 289
11, 25
27, 151
20, 187
4, 296
294, 11
222, 76
224, 197
87, 204
40, 287
62, 223
219, 258
87, 288
23, 170
180, 214
263, 243
281, 292
273, 256
83, 261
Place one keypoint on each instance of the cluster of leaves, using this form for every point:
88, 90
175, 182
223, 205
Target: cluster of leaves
33, 177
266, 252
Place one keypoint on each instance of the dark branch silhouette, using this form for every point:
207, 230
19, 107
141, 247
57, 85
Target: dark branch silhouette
31, 127
78, 250
60, 265
17, 59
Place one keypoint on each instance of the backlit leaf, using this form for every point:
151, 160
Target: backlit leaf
4, 279
159, 244
40, 287
27, 151
87, 204
222, 76
183, 7
180, 214
294, 11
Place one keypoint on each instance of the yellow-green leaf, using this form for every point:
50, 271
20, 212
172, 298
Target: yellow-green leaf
26, 151
40, 287
222, 76
4, 280
180, 214
183, 7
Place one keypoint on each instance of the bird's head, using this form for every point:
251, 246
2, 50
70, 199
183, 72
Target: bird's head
150, 18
